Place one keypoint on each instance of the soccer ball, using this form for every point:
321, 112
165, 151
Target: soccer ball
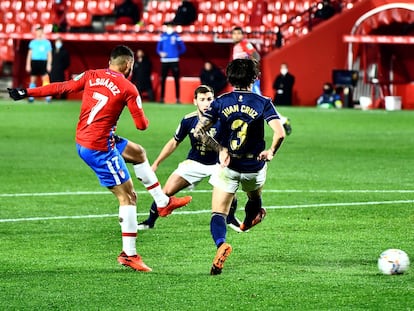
393, 261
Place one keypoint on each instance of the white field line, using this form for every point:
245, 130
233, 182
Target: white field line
46, 194
209, 211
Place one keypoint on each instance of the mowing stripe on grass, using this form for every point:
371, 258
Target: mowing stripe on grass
209, 211
47, 194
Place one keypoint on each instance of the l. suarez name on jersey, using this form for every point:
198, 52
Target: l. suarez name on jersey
107, 83
243, 108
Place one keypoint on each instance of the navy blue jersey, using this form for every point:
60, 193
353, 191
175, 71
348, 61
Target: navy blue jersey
199, 152
242, 115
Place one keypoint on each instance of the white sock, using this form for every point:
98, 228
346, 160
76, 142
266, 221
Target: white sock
147, 176
129, 227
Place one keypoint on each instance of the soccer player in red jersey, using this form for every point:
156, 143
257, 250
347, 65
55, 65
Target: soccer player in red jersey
242, 48
105, 94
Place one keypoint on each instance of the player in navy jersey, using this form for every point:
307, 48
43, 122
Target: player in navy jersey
106, 92
200, 161
242, 151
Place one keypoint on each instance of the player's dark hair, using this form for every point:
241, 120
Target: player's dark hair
242, 72
202, 89
237, 28
121, 50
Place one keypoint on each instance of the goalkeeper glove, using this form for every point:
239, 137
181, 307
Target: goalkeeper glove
17, 94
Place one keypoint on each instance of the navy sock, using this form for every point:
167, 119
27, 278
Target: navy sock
252, 208
231, 216
218, 228
153, 215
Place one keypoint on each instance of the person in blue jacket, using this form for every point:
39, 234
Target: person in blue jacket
170, 47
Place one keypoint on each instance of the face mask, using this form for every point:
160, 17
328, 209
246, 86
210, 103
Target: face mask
58, 45
283, 71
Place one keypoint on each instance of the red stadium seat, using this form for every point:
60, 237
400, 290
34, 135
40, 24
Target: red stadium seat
175, 4
44, 5
145, 17
8, 17
211, 19
156, 19
246, 7
92, 7
219, 6
77, 6
152, 6
46, 17
165, 6
204, 7
17, 6
234, 7
5, 6
10, 28
29, 5
78, 19
6, 50
20, 17
274, 6
106, 7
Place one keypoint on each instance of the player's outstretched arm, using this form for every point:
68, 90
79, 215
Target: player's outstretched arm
166, 151
17, 93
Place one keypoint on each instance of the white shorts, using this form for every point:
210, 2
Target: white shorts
193, 171
228, 180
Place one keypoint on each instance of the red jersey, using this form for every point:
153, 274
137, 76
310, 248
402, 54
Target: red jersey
243, 49
105, 94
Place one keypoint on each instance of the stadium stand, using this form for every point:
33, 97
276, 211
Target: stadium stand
261, 19
264, 21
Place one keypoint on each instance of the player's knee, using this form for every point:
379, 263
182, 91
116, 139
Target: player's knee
135, 153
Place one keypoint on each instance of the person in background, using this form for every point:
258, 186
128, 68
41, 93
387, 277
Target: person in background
325, 10
127, 12
39, 60
186, 14
141, 74
243, 155
329, 97
60, 63
200, 161
60, 23
170, 47
283, 87
244, 49
105, 152
212, 76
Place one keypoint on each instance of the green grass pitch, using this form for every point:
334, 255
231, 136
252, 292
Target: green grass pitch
339, 192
